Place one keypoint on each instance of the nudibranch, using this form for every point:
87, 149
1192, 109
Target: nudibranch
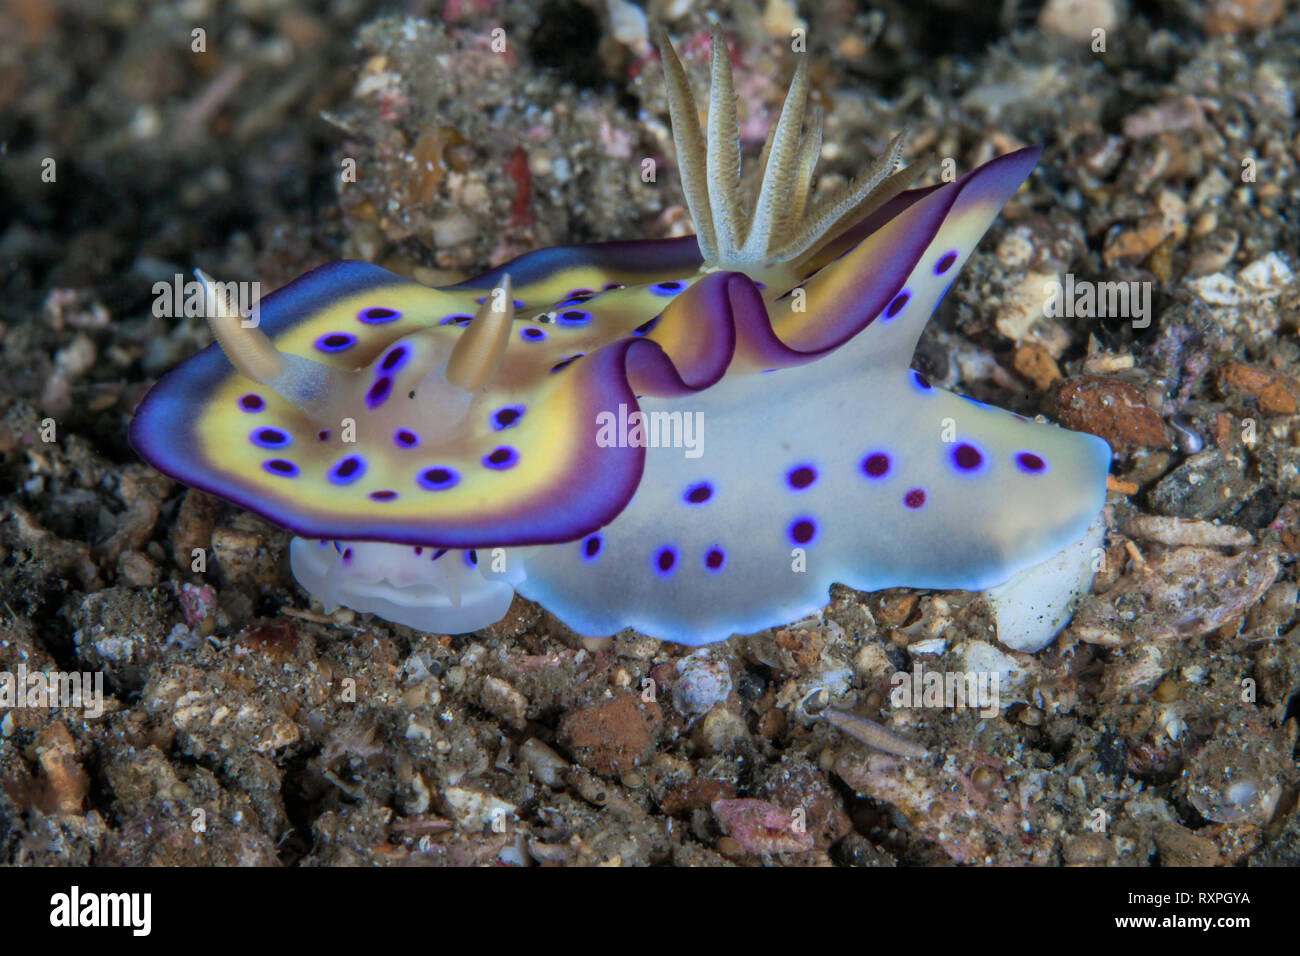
438, 450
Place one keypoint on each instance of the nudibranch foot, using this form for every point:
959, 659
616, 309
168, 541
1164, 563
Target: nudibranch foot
437, 590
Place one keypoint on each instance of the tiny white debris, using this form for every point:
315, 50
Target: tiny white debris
1213, 186
1172, 723
1217, 290
543, 762
453, 230
415, 730
376, 83
1077, 19
1193, 673
1023, 303
935, 645
628, 23
703, 681
980, 657
475, 810
120, 650
1266, 276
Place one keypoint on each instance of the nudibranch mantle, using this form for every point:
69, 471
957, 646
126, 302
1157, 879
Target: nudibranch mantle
407, 433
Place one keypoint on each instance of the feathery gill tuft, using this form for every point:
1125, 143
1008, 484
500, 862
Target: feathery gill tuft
753, 223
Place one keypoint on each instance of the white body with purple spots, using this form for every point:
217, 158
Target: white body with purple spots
923, 521
890, 484
850, 469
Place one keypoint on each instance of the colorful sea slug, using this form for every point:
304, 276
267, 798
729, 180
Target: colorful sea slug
437, 450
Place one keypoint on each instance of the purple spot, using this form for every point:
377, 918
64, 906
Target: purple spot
348, 470
803, 530
645, 327
394, 358
608, 286
915, 498
471, 558
714, 559
1030, 462
406, 439
384, 495
269, 438
506, 417
323, 435
801, 476
945, 263
664, 560
347, 554
591, 547
335, 342
565, 363
281, 467
532, 335
876, 465
501, 458
418, 550
666, 288
896, 306
437, 479
438, 554
921, 381
379, 391
698, 494
251, 402
579, 294
378, 315
574, 317
967, 457
459, 318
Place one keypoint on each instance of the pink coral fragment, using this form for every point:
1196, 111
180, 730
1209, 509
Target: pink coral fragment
762, 827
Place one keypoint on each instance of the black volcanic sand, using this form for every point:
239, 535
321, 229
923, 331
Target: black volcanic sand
1168, 709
